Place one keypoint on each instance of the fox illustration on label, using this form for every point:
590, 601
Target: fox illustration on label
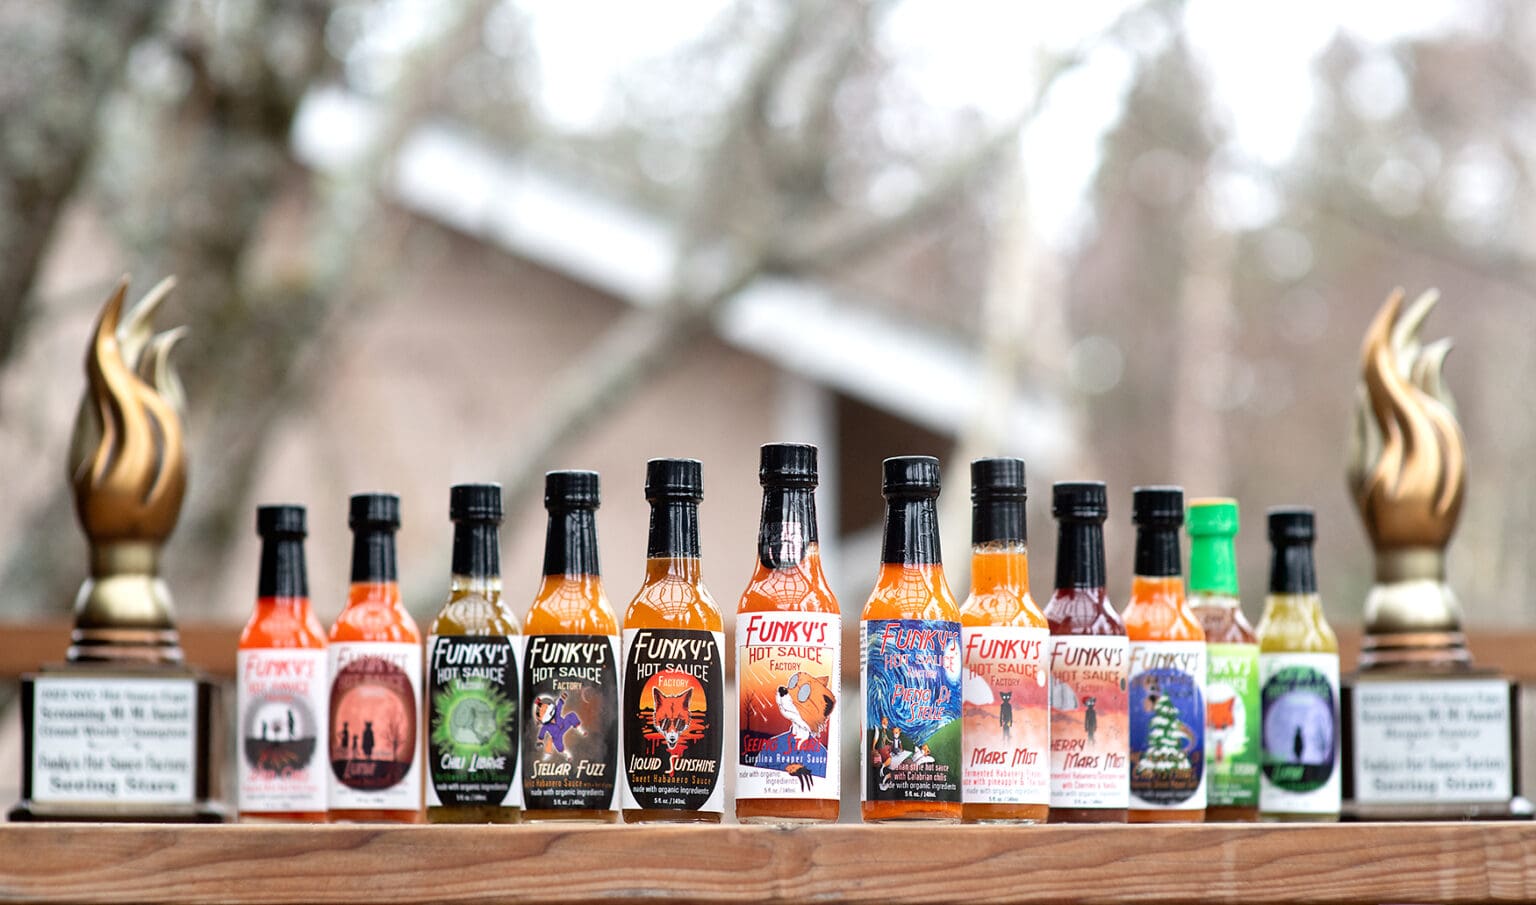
1219, 721
672, 718
806, 701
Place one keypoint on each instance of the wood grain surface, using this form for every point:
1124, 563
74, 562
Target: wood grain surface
1345, 863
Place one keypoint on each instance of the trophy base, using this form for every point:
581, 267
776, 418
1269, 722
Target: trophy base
119, 742
1432, 651
1438, 741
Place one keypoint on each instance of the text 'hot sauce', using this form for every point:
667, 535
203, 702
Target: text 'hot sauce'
571, 669
281, 674
1007, 768
788, 672
1167, 685
375, 667
911, 660
674, 664
1090, 659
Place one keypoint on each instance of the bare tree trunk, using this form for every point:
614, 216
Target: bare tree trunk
57, 62
1204, 363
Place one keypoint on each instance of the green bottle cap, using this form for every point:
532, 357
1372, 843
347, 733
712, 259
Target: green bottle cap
1212, 525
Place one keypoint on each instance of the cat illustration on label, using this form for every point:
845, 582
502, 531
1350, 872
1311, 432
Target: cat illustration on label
807, 702
552, 722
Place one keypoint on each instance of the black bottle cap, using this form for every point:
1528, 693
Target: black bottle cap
1292, 524
378, 510
1080, 500
284, 518
910, 476
787, 465
1000, 478
571, 490
1157, 506
674, 479
475, 502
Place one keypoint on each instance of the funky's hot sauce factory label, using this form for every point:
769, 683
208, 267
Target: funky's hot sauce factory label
788, 667
912, 744
674, 719
570, 739
1090, 724
374, 689
1006, 732
472, 745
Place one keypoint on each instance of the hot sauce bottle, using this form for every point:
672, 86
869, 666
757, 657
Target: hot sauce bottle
375, 669
1007, 768
911, 660
282, 683
1232, 752
674, 664
1167, 687
1299, 676
474, 665
1090, 656
571, 669
788, 672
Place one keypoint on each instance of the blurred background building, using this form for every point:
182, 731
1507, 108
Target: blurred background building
426, 242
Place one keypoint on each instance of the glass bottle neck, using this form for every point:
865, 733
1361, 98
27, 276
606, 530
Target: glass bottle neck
911, 532
570, 543
999, 520
373, 557
674, 530
283, 572
787, 533
1292, 570
1157, 552
1213, 565
1000, 566
1080, 555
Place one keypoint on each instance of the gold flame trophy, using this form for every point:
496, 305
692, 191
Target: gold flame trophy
1426, 735
122, 730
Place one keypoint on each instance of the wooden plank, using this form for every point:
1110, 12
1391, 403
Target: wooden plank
1359, 863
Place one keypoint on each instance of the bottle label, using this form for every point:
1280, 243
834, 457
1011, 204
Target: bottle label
911, 739
282, 718
1007, 715
571, 722
1232, 747
1090, 731
1167, 701
674, 719
789, 684
472, 708
374, 689
1300, 700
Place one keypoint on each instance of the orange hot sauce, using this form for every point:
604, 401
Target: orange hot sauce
1007, 763
282, 683
376, 665
572, 607
1168, 670
673, 709
788, 669
911, 660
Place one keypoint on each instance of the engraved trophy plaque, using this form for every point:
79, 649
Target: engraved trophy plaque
121, 731
1426, 734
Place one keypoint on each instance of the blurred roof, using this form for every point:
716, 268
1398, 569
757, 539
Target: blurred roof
510, 202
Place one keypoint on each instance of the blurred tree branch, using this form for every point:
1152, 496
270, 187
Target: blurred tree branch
710, 271
78, 50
